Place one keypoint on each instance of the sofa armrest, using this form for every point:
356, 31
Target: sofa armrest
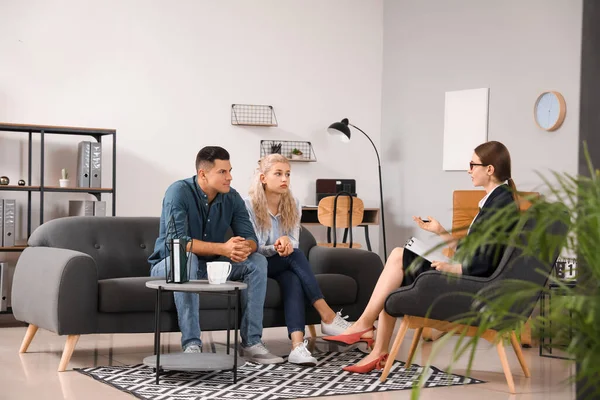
436, 296
56, 289
363, 266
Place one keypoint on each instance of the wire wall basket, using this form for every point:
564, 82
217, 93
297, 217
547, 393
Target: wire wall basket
293, 150
254, 115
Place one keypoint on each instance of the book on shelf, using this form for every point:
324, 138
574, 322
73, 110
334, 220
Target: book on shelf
3, 286
84, 156
9, 215
95, 165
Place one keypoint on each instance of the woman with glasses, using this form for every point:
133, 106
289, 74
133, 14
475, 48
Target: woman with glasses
489, 168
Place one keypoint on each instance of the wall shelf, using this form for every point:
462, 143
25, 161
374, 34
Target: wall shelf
253, 115
54, 189
285, 147
12, 249
43, 130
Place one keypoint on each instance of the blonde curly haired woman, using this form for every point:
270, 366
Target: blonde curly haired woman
275, 215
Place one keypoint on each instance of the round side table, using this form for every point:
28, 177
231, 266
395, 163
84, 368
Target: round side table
196, 361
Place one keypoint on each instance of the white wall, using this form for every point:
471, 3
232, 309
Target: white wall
164, 74
517, 48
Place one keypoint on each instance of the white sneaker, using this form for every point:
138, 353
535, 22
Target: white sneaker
193, 348
337, 326
301, 356
260, 354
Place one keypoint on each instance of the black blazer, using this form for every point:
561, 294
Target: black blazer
486, 258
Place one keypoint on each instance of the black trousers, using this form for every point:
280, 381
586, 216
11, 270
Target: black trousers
413, 265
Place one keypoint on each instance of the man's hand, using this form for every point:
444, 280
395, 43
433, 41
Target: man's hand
237, 249
445, 267
283, 246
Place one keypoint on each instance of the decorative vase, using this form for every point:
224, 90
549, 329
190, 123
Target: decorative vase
4, 180
63, 183
297, 157
21, 182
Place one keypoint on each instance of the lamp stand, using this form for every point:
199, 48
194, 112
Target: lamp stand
385, 254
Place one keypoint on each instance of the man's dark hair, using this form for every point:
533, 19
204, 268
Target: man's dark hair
208, 155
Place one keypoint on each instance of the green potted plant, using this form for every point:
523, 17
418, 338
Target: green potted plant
64, 181
573, 320
296, 154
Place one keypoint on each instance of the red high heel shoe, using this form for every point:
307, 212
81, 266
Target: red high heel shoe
352, 338
377, 364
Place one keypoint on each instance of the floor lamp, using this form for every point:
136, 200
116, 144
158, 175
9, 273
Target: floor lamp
342, 130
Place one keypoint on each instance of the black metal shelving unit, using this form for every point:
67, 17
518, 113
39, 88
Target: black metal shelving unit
44, 130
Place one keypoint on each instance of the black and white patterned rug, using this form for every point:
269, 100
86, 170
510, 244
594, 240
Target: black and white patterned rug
270, 382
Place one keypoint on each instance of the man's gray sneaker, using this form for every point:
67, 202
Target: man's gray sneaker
193, 348
301, 356
260, 354
337, 326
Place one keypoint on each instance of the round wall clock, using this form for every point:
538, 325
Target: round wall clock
550, 111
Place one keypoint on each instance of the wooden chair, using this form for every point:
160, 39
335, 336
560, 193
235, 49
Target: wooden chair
465, 206
340, 211
419, 307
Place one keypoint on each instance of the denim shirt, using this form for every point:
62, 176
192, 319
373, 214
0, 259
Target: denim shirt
187, 214
267, 238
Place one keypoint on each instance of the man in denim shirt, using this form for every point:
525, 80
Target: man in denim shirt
201, 209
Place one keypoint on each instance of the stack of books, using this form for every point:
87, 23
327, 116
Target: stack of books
89, 165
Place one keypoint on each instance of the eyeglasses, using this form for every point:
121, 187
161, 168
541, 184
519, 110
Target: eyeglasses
472, 164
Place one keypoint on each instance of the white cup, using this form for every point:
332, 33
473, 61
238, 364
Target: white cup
218, 271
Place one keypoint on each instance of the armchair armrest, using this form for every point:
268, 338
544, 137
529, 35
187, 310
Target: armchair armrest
56, 289
363, 266
437, 296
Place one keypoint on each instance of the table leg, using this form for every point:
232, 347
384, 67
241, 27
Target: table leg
157, 332
345, 235
328, 235
228, 319
235, 331
367, 237
156, 318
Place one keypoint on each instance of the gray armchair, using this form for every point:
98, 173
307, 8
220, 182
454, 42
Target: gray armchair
83, 275
437, 300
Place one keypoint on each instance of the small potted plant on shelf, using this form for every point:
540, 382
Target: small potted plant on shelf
297, 154
64, 181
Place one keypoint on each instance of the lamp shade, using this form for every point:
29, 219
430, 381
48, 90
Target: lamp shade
340, 129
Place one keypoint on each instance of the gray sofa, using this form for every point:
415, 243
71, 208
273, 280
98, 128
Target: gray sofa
84, 275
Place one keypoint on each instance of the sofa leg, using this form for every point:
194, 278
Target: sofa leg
313, 331
395, 347
505, 366
67, 352
31, 330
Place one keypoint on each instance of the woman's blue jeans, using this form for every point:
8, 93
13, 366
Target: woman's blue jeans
297, 282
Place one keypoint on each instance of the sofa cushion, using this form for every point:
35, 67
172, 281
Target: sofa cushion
130, 295
337, 290
121, 295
